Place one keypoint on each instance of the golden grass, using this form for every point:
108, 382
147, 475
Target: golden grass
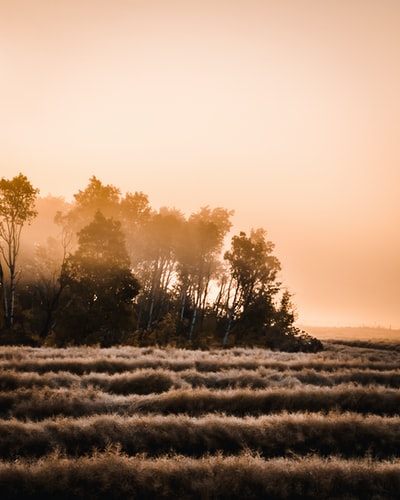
114, 475
172, 423
283, 434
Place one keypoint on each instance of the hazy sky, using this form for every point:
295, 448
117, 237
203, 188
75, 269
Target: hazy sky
286, 111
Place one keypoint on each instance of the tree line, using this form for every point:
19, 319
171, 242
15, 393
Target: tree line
119, 272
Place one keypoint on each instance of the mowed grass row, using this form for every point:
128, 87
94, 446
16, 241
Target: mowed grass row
111, 366
346, 435
333, 350
159, 380
242, 423
82, 361
76, 402
114, 475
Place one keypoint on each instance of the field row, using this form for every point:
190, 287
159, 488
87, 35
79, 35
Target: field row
241, 423
81, 360
75, 402
112, 366
333, 349
345, 435
114, 475
160, 380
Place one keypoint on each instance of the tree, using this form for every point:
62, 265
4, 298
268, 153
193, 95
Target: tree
95, 197
199, 258
42, 287
281, 333
156, 264
135, 213
252, 285
44, 248
99, 286
17, 208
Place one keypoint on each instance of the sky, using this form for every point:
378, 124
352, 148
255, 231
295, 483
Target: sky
287, 112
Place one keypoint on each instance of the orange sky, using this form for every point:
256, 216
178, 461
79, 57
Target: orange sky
286, 111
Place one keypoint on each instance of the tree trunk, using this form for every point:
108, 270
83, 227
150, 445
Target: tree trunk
150, 317
12, 297
139, 315
230, 319
52, 305
228, 330
193, 322
183, 303
203, 304
4, 293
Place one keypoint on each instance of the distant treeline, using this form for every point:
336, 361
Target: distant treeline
116, 271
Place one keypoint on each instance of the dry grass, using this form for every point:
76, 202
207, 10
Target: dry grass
172, 423
158, 380
77, 402
285, 434
114, 475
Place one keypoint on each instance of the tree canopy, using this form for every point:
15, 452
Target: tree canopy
130, 274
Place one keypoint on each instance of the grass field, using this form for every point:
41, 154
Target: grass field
376, 334
169, 423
